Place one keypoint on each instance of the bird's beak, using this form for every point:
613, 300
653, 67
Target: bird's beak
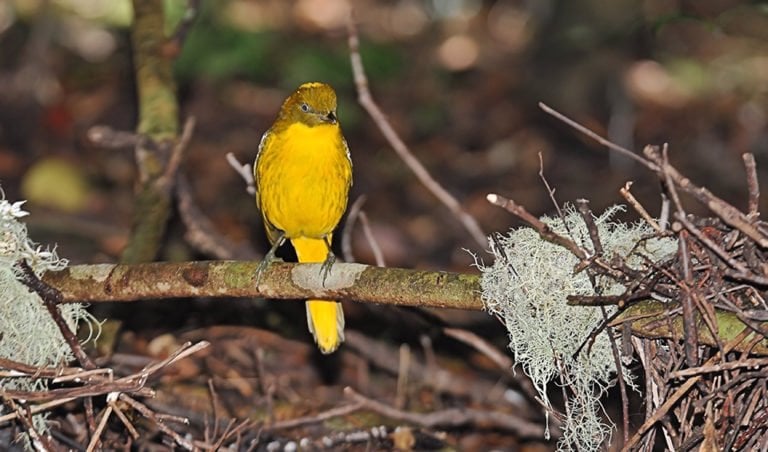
331, 118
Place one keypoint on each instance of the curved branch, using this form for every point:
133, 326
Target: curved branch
365, 99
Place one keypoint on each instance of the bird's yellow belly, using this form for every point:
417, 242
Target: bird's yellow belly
304, 192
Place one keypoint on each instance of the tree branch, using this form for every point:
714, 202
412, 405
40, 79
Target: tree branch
365, 99
162, 280
651, 319
354, 282
158, 128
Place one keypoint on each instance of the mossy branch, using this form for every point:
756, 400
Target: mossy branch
355, 282
651, 319
158, 128
364, 283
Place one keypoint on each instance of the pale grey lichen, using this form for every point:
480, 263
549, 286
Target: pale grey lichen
29, 334
527, 286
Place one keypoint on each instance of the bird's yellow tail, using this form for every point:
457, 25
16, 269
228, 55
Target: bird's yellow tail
325, 318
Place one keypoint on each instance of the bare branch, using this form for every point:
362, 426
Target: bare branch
543, 229
201, 233
451, 417
51, 299
366, 100
630, 198
353, 213
245, 171
609, 144
722, 209
752, 184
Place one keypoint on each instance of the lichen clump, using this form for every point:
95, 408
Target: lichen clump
527, 286
29, 334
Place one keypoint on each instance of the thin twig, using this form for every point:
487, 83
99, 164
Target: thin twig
266, 389
17, 369
730, 365
90, 417
214, 409
542, 228
609, 144
728, 213
316, 419
108, 138
690, 329
229, 431
353, 214
366, 100
630, 198
662, 411
752, 184
200, 231
128, 384
51, 298
481, 345
709, 243
452, 417
620, 379
124, 419
37, 408
96, 437
378, 256
154, 418
84, 375
551, 191
403, 369
177, 153
586, 214
182, 352
245, 171
664, 211
172, 47
24, 415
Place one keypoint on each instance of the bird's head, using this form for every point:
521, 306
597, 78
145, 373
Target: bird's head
311, 104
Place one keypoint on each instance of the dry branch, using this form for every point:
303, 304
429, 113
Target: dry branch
51, 298
696, 317
365, 99
452, 417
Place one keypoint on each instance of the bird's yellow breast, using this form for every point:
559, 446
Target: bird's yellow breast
303, 176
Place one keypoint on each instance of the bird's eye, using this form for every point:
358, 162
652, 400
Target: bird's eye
304, 108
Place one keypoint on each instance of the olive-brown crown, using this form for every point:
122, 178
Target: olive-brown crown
312, 104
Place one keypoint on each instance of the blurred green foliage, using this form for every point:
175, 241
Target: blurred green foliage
313, 61
217, 50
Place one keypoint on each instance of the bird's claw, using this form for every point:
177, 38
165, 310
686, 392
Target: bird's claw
325, 268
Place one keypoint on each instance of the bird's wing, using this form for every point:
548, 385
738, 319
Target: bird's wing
262, 144
349, 156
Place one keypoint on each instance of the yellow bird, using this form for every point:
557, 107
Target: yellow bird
303, 172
